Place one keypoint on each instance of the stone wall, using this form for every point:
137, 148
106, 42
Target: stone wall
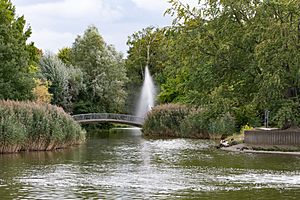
273, 137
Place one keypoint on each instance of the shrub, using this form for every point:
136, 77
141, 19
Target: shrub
195, 125
287, 115
247, 127
223, 125
245, 114
34, 126
165, 120
175, 120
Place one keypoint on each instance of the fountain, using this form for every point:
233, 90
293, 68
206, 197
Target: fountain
148, 93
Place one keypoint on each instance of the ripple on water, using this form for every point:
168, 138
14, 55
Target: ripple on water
153, 169
2, 184
150, 181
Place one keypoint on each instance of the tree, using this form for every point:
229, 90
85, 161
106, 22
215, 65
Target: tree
65, 82
41, 92
238, 57
64, 55
55, 72
16, 57
104, 73
243, 54
146, 48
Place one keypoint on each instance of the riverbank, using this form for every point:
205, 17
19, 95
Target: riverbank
263, 149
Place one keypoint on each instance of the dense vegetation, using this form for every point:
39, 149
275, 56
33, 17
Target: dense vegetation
176, 120
88, 77
32, 126
17, 59
228, 60
232, 58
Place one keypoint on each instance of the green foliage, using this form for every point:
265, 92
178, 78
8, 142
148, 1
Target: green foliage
32, 126
246, 127
55, 72
203, 124
238, 57
164, 120
12, 133
104, 73
16, 56
66, 82
176, 120
222, 125
195, 125
246, 114
287, 115
64, 55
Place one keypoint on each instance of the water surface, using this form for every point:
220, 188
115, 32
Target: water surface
122, 165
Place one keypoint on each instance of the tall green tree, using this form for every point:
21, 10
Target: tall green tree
246, 55
16, 57
238, 57
145, 49
104, 73
65, 81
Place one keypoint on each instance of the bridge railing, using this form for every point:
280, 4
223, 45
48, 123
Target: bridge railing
120, 117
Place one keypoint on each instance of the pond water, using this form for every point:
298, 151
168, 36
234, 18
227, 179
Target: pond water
120, 164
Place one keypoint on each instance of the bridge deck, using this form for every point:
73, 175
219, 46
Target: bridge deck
109, 117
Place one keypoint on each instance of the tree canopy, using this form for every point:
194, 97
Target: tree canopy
104, 73
16, 57
240, 57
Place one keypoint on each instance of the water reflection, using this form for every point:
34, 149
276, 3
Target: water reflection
124, 165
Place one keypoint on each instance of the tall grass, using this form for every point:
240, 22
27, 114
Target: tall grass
176, 120
165, 120
32, 126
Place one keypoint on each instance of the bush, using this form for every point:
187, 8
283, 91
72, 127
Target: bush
287, 115
195, 125
223, 125
246, 114
175, 120
33, 126
165, 120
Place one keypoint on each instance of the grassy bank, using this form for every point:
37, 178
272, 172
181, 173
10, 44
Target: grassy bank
176, 120
31, 126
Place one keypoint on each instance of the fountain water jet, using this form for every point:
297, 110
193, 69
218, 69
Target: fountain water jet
147, 97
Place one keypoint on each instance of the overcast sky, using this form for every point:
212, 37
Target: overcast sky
56, 23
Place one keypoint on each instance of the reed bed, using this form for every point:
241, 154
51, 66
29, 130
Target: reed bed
164, 120
182, 121
30, 126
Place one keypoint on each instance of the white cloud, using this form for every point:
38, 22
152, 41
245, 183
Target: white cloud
191, 3
56, 23
153, 5
160, 5
52, 40
72, 9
